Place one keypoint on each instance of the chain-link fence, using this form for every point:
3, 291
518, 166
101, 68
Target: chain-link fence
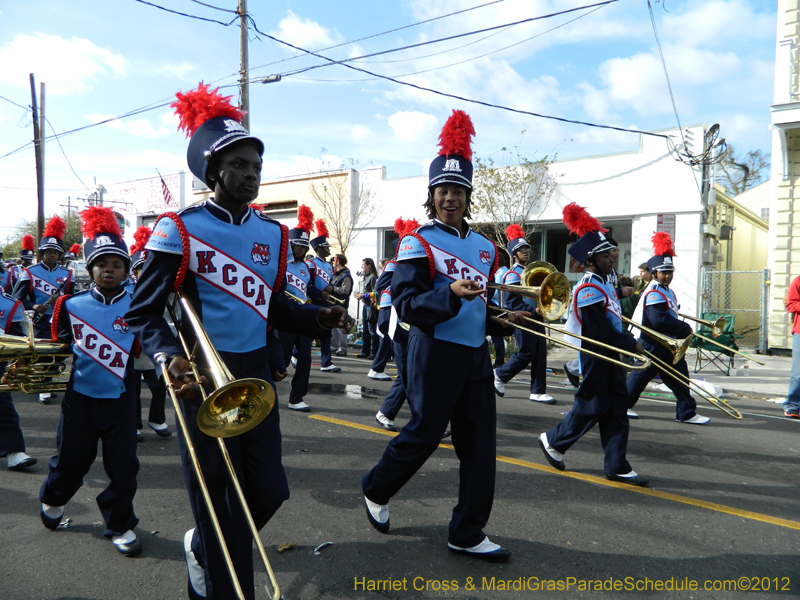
742, 294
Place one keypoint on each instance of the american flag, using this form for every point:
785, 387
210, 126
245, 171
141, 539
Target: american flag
165, 191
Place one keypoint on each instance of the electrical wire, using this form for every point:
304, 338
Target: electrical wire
175, 12
65, 154
227, 10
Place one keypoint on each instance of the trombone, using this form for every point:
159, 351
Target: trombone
710, 398
542, 282
235, 407
717, 327
334, 300
678, 348
645, 361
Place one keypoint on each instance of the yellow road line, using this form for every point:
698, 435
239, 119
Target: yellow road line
737, 512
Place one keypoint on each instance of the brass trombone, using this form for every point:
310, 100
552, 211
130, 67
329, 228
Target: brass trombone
645, 361
235, 407
678, 348
542, 282
710, 398
717, 326
334, 300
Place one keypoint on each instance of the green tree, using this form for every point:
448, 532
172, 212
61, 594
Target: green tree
740, 172
72, 236
511, 189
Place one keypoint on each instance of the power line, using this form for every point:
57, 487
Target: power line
227, 10
666, 74
65, 154
175, 12
463, 99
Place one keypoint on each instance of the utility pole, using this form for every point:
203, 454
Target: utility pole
39, 153
244, 84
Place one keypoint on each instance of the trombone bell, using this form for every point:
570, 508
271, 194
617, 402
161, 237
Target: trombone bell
236, 408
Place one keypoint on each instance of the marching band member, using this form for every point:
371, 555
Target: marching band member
143, 366
438, 289
398, 336
658, 310
6, 277
601, 398
498, 341
532, 349
229, 261
98, 404
25, 257
320, 288
40, 286
297, 278
12, 442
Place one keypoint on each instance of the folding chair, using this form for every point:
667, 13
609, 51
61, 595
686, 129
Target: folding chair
711, 354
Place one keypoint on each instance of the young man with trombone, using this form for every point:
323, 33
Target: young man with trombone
320, 290
595, 315
531, 349
225, 262
657, 312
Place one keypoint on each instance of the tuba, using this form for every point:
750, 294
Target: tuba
35, 365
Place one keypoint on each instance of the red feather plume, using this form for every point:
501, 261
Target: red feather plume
140, 238
28, 243
456, 136
75, 249
514, 232
411, 225
399, 226
662, 244
579, 221
197, 106
305, 218
97, 220
322, 229
56, 227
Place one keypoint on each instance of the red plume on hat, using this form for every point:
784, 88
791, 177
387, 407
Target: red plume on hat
197, 106
456, 136
404, 227
514, 232
75, 249
56, 227
662, 244
580, 222
28, 243
305, 218
140, 238
97, 220
322, 229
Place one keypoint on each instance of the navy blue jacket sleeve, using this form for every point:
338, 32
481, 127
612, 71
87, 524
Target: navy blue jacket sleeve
277, 362
414, 298
384, 281
597, 326
23, 292
663, 321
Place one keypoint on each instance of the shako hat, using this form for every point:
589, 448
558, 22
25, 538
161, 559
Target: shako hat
664, 251
73, 251
301, 234
140, 238
592, 241
213, 123
27, 247
53, 235
322, 239
101, 234
454, 163
516, 238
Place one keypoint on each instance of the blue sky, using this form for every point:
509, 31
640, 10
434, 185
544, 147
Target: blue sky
103, 59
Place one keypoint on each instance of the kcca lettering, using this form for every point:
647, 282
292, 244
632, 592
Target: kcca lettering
454, 268
98, 347
45, 287
225, 273
295, 282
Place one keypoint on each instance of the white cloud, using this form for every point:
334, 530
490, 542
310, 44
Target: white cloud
68, 67
170, 119
359, 131
305, 32
136, 127
411, 126
179, 71
718, 23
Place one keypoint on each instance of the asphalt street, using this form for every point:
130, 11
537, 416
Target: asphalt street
721, 511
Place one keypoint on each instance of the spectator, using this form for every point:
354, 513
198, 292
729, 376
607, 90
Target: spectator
791, 408
342, 283
369, 315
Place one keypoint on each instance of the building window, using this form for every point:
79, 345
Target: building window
765, 214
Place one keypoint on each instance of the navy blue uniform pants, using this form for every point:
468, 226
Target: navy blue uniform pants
302, 371
685, 405
11, 439
84, 421
384, 350
158, 396
533, 352
499, 350
600, 400
445, 382
256, 458
397, 393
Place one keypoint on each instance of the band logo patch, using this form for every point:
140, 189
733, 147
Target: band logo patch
260, 254
452, 165
103, 240
160, 233
120, 325
485, 256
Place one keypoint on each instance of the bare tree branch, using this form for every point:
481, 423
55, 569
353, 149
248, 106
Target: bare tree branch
742, 172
